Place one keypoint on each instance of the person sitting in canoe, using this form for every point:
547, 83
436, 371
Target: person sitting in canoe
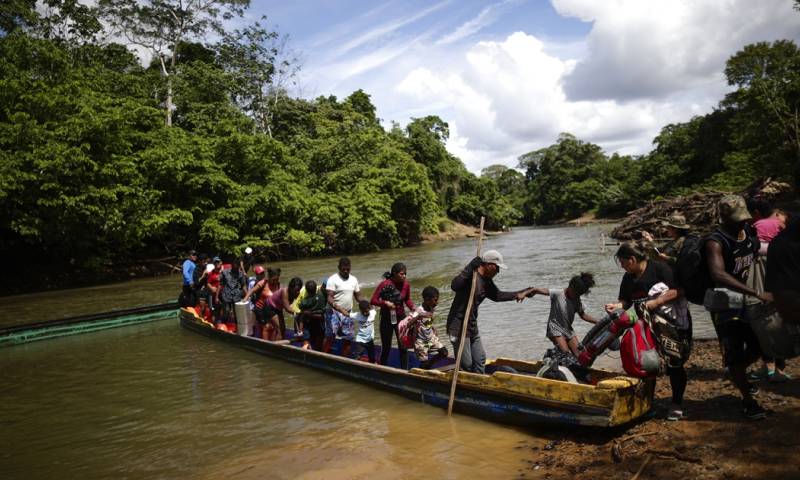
342, 287
473, 359
564, 304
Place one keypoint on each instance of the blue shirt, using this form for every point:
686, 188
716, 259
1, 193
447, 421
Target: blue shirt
188, 271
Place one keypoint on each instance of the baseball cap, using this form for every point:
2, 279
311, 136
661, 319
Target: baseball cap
216, 259
733, 209
258, 270
248, 250
493, 256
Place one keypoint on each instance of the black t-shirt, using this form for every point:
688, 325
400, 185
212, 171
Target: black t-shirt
737, 254
783, 260
633, 288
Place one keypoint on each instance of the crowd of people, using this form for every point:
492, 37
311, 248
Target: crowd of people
750, 263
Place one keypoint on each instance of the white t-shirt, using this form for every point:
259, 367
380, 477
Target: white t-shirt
364, 325
343, 290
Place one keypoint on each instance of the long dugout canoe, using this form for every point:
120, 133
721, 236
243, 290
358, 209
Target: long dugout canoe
512, 398
19, 334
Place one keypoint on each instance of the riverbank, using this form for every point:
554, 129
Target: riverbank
713, 442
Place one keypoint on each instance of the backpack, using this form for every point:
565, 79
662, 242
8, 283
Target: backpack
691, 270
638, 351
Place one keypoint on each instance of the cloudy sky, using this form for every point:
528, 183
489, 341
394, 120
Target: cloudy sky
510, 75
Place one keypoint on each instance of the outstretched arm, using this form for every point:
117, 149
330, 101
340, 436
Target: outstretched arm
588, 318
537, 291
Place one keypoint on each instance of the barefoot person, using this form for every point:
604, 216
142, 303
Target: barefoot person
473, 359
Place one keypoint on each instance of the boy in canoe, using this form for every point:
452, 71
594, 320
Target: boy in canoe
564, 304
427, 345
364, 320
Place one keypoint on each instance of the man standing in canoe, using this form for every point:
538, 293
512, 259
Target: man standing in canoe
473, 359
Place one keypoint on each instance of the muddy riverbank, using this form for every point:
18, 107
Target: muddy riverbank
714, 441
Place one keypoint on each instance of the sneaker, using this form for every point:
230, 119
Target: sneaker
754, 390
675, 414
753, 411
759, 374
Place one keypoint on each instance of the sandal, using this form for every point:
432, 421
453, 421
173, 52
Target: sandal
778, 377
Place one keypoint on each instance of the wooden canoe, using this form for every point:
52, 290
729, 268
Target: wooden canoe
519, 399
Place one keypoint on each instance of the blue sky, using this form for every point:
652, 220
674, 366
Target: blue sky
510, 75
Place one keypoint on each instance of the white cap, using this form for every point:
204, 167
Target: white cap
248, 250
209, 267
493, 256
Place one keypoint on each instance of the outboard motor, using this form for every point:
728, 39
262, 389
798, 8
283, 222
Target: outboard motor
604, 334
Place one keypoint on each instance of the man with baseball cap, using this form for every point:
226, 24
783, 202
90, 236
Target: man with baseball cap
730, 251
187, 297
473, 359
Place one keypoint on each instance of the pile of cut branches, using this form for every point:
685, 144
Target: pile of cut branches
699, 209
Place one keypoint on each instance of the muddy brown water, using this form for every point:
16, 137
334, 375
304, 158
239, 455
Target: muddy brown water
156, 401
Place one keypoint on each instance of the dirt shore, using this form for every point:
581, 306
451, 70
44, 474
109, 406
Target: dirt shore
714, 442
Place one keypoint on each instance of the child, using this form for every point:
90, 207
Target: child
364, 321
564, 304
203, 310
427, 345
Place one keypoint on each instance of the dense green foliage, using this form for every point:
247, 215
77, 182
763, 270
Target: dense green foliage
105, 160
754, 132
92, 175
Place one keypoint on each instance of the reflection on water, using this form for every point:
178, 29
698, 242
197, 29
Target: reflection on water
155, 401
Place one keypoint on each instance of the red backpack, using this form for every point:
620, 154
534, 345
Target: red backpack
638, 351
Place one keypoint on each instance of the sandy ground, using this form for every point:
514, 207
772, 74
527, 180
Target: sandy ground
715, 441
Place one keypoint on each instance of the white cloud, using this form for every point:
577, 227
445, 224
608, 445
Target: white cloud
643, 65
649, 49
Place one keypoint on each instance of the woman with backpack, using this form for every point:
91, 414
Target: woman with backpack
641, 275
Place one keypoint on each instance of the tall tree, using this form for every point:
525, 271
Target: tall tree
161, 26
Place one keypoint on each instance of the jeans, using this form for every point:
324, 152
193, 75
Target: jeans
473, 359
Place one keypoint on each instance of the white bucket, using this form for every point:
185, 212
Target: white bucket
243, 315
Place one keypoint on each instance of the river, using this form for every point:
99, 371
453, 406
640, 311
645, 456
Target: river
156, 401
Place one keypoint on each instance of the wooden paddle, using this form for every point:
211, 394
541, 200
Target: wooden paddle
464, 327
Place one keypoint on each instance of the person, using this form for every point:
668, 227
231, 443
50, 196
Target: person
232, 284
364, 320
213, 283
203, 310
200, 276
677, 230
187, 292
641, 275
392, 295
564, 304
258, 293
767, 222
281, 299
311, 310
473, 358
341, 288
427, 345
783, 271
729, 253
246, 260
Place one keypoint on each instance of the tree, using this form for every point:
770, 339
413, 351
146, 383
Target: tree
161, 26
766, 105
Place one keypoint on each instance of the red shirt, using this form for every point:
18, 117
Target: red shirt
213, 279
405, 294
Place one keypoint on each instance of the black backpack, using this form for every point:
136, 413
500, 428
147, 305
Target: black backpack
691, 269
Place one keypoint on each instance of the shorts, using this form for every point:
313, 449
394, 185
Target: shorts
423, 350
737, 339
337, 324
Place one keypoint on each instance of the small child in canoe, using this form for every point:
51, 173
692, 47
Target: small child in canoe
564, 304
364, 320
419, 326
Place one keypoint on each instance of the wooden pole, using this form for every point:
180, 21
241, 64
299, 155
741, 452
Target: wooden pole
464, 327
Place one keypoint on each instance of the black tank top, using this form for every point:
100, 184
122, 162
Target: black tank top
737, 254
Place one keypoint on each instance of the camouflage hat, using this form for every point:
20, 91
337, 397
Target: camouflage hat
733, 209
676, 220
